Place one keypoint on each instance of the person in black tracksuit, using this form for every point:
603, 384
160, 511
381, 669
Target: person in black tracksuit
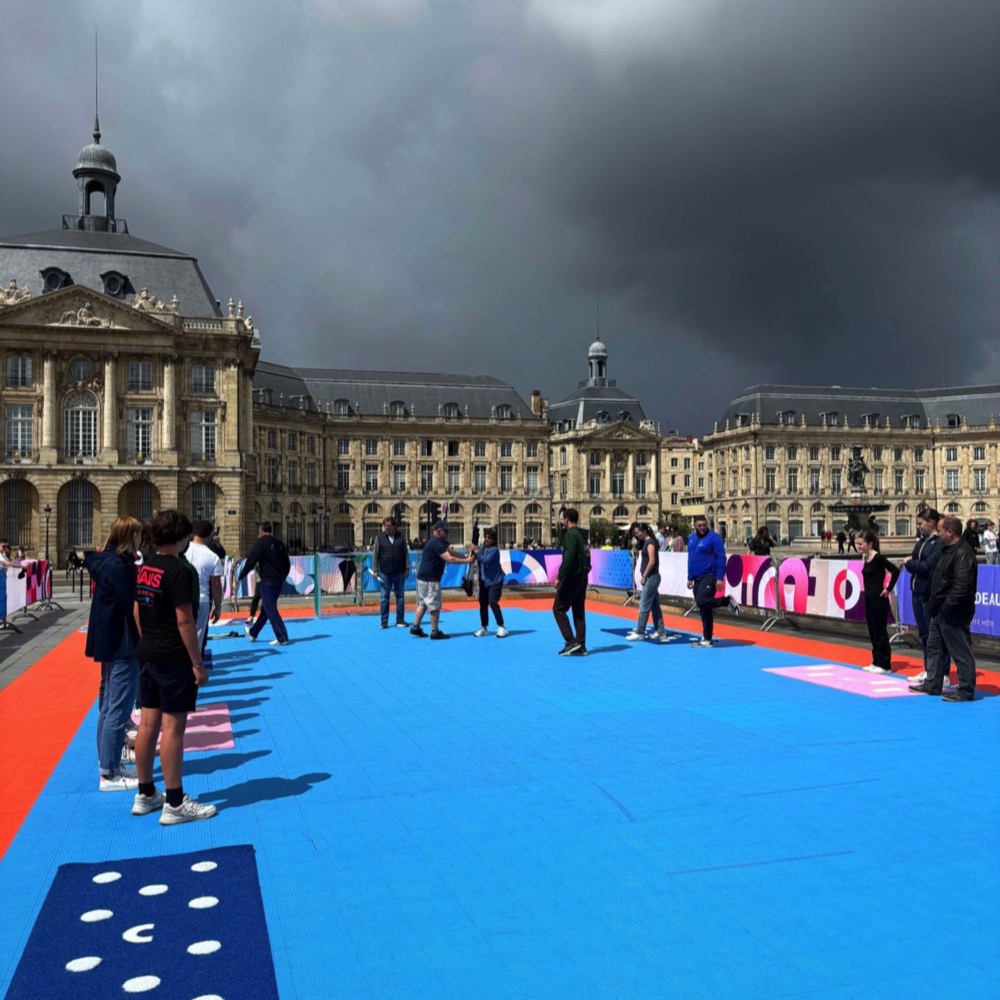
270, 557
877, 591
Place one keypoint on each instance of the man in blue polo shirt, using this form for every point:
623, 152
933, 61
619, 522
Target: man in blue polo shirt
707, 576
432, 562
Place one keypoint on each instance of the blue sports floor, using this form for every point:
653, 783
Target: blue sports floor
486, 819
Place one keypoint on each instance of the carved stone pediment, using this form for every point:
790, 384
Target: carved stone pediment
79, 308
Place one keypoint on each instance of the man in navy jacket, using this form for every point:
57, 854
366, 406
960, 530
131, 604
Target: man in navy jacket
391, 564
707, 576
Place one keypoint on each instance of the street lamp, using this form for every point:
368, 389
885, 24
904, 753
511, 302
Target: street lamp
47, 511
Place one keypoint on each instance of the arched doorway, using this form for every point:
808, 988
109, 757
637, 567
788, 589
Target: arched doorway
138, 498
20, 500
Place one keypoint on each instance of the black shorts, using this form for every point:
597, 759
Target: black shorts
169, 687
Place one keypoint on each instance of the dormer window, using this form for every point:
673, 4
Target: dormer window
830, 418
954, 420
784, 417
54, 278
504, 412
341, 408
743, 420
116, 284
452, 411
869, 419
603, 416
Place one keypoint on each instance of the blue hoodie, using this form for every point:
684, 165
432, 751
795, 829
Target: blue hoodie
111, 631
706, 555
490, 571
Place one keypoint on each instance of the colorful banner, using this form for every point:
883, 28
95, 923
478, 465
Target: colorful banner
987, 619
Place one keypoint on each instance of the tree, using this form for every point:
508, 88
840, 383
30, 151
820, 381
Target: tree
678, 521
601, 529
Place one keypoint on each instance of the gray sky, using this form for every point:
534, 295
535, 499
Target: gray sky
764, 190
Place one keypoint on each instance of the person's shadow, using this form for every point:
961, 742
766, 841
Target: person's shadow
261, 790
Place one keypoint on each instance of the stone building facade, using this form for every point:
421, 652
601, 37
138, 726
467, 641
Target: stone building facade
126, 388
779, 456
603, 451
340, 450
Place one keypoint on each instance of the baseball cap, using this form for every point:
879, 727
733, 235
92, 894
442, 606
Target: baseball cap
440, 526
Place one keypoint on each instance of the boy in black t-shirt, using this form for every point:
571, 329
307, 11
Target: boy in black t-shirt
170, 670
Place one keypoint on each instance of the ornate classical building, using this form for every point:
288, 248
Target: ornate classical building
125, 387
603, 452
779, 456
340, 450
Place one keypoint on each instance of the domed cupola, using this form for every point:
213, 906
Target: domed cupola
96, 173
597, 361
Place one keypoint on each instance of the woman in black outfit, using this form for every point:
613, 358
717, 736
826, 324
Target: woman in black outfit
761, 543
877, 600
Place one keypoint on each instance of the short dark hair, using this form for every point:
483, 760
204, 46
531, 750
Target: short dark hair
389, 520
571, 514
928, 514
202, 528
952, 524
265, 526
169, 526
699, 517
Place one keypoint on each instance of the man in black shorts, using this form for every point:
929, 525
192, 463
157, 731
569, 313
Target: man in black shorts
170, 670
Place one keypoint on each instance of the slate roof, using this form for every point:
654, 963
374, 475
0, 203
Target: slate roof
85, 256
587, 402
368, 393
976, 404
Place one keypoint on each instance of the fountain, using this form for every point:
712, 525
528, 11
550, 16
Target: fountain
859, 504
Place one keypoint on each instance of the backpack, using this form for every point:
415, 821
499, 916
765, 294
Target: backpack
585, 566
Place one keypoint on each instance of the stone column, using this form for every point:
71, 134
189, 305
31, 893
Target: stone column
169, 432
50, 410
109, 439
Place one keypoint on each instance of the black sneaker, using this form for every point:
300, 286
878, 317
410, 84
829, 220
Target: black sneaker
418, 632
578, 650
924, 688
384, 625
957, 695
569, 647
438, 634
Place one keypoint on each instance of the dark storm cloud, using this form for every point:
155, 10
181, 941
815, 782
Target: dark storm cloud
767, 191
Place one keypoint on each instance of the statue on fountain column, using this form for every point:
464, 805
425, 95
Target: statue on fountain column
856, 470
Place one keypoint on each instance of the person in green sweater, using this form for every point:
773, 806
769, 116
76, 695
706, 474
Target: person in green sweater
571, 586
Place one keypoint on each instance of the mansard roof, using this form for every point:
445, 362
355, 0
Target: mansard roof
85, 256
370, 393
775, 404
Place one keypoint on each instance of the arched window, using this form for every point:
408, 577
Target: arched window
397, 409
642, 512
771, 508
953, 508
620, 512
507, 510
597, 511
481, 509
373, 508
533, 508
80, 425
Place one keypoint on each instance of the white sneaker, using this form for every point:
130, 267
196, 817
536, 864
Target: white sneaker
702, 644
119, 783
873, 669
502, 633
252, 638
920, 678
280, 642
128, 755
130, 735
145, 804
635, 636
481, 632
187, 812
946, 683
734, 607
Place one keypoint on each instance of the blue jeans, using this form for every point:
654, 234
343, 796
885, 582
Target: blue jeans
649, 601
269, 591
119, 681
392, 583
